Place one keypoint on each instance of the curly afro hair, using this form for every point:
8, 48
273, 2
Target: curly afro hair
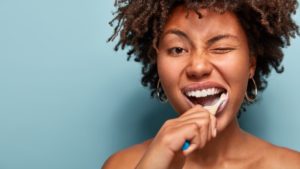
268, 24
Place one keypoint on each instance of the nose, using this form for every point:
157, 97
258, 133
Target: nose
199, 66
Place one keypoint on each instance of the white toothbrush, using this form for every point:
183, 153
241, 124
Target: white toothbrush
213, 110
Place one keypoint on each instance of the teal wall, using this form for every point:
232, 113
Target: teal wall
68, 101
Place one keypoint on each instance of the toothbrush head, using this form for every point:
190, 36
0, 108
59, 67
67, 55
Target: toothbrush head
214, 108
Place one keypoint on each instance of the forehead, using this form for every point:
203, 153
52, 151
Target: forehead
210, 24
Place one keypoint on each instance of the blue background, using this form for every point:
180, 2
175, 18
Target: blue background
68, 101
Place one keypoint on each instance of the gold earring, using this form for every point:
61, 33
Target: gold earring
253, 97
160, 93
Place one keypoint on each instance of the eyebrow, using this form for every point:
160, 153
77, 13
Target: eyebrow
178, 33
208, 42
220, 37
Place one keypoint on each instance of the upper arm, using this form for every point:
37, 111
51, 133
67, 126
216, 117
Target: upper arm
125, 159
112, 162
121, 160
294, 160
288, 159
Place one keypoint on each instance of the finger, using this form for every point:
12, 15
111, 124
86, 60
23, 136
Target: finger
197, 132
199, 121
194, 114
176, 136
197, 108
204, 129
199, 116
214, 126
210, 128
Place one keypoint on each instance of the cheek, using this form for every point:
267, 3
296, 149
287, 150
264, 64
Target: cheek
169, 71
236, 74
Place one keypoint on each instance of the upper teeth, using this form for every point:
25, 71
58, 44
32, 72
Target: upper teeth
203, 92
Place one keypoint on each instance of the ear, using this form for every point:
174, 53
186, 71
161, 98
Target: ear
252, 67
155, 45
155, 48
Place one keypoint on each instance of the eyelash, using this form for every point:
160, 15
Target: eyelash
175, 51
222, 50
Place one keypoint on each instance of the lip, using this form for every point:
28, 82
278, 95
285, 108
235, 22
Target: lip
220, 109
204, 85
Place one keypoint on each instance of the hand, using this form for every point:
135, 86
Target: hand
196, 125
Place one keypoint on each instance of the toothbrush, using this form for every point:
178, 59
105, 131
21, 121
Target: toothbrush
213, 110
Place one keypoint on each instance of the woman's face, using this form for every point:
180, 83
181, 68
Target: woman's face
201, 58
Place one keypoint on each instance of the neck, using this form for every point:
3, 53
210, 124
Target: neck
226, 145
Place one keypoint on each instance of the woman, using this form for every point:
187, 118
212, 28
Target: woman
195, 53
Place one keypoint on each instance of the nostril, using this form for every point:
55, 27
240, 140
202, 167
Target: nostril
198, 69
196, 74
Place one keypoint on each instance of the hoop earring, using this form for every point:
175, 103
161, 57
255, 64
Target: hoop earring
253, 97
160, 93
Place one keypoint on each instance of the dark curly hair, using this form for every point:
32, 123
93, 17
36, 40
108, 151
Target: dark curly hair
267, 23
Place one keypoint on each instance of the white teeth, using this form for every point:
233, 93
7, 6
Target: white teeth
203, 92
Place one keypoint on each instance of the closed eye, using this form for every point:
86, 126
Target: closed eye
222, 50
176, 51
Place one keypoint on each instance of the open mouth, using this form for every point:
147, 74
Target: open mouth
205, 97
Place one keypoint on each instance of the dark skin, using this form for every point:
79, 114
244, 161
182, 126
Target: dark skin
207, 51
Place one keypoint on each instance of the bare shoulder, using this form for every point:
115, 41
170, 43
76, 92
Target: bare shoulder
280, 157
127, 158
267, 155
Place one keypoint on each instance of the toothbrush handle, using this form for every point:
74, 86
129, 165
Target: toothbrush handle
186, 145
